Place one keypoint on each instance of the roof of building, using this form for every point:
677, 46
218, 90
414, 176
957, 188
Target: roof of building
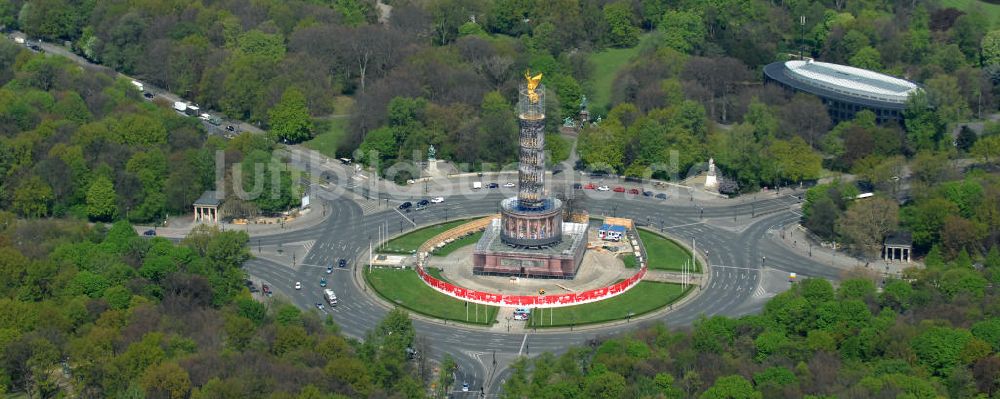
843, 82
612, 227
208, 198
899, 238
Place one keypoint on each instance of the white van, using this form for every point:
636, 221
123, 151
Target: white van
330, 297
477, 185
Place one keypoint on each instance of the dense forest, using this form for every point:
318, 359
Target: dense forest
78, 143
933, 334
444, 72
95, 312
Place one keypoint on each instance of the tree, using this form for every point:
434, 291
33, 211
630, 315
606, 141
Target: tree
289, 119
867, 221
32, 197
940, 347
606, 385
101, 199
987, 149
991, 48
682, 30
731, 387
621, 31
166, 380
867, 58
966, 138
795, 160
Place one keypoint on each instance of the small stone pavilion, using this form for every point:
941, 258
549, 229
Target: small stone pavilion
898, 246
206, 208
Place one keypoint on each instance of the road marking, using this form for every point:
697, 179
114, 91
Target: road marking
523, 341
682, 225
732, 267
404, 217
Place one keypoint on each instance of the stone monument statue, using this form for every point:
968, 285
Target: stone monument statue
431, 160
431, 152
711, 181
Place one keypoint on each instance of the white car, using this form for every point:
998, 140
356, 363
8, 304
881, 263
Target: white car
603, 188
465, 387
298, 285
437, 200
509, 184
205, 117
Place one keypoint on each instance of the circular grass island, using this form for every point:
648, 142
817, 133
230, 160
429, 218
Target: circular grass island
404, 288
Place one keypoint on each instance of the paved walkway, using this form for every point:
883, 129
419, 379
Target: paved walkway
795, 238
179, 227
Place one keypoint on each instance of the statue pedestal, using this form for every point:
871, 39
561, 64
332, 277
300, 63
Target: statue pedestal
711, 183
432, 166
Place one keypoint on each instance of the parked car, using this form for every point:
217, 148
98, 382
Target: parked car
420, 207
509, 184
298, 285
603, 188
405, 205
329, 269
590, 186
661, 196
34, 47
148, 95
319, 305
465, 387
647, 193
577, 186
149, 232
619, 189
342, 263
423, 202
266, 288
231, 128
322, 282
494, 185
633, 191
437, 200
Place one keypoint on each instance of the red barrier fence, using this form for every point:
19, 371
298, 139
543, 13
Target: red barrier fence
535, 301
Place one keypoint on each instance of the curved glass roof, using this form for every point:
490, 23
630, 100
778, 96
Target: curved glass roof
851, 81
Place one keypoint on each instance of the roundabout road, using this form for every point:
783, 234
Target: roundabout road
735, 251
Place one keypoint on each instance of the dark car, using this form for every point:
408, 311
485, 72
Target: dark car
577, 186
322, 282
494, 185
148, 95
405, 205
149, 232
342, 263
633, 191
35, 48
661, 196
423, 202
647, 193
231, 128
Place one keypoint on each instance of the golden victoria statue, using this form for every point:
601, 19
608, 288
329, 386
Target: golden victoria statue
532, 84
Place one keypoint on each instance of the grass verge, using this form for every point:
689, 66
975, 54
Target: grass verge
607, 63
645, 297
409, 242
404, 288
664, 253
329, 137
992, 10
459, 243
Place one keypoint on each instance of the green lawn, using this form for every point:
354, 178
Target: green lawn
409, 242
992, 10
630, 261
436, 273
607, 63
663, 253
459, 243
329, 137
645, 297
404, 288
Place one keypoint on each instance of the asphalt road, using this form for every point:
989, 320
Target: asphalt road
736, 252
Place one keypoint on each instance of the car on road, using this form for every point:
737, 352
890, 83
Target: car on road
494, 185
329, 269
231, 128
590, 186
509, 184
577, 186
298, 285
647, 193
266, 289
633, 191
405, 205
437, 200
661, 196
148, 95
342, 263
423, 202
619, 189
319, 305
149, 232
322, 282
465, 387
420, 207
34, 47
603, 188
